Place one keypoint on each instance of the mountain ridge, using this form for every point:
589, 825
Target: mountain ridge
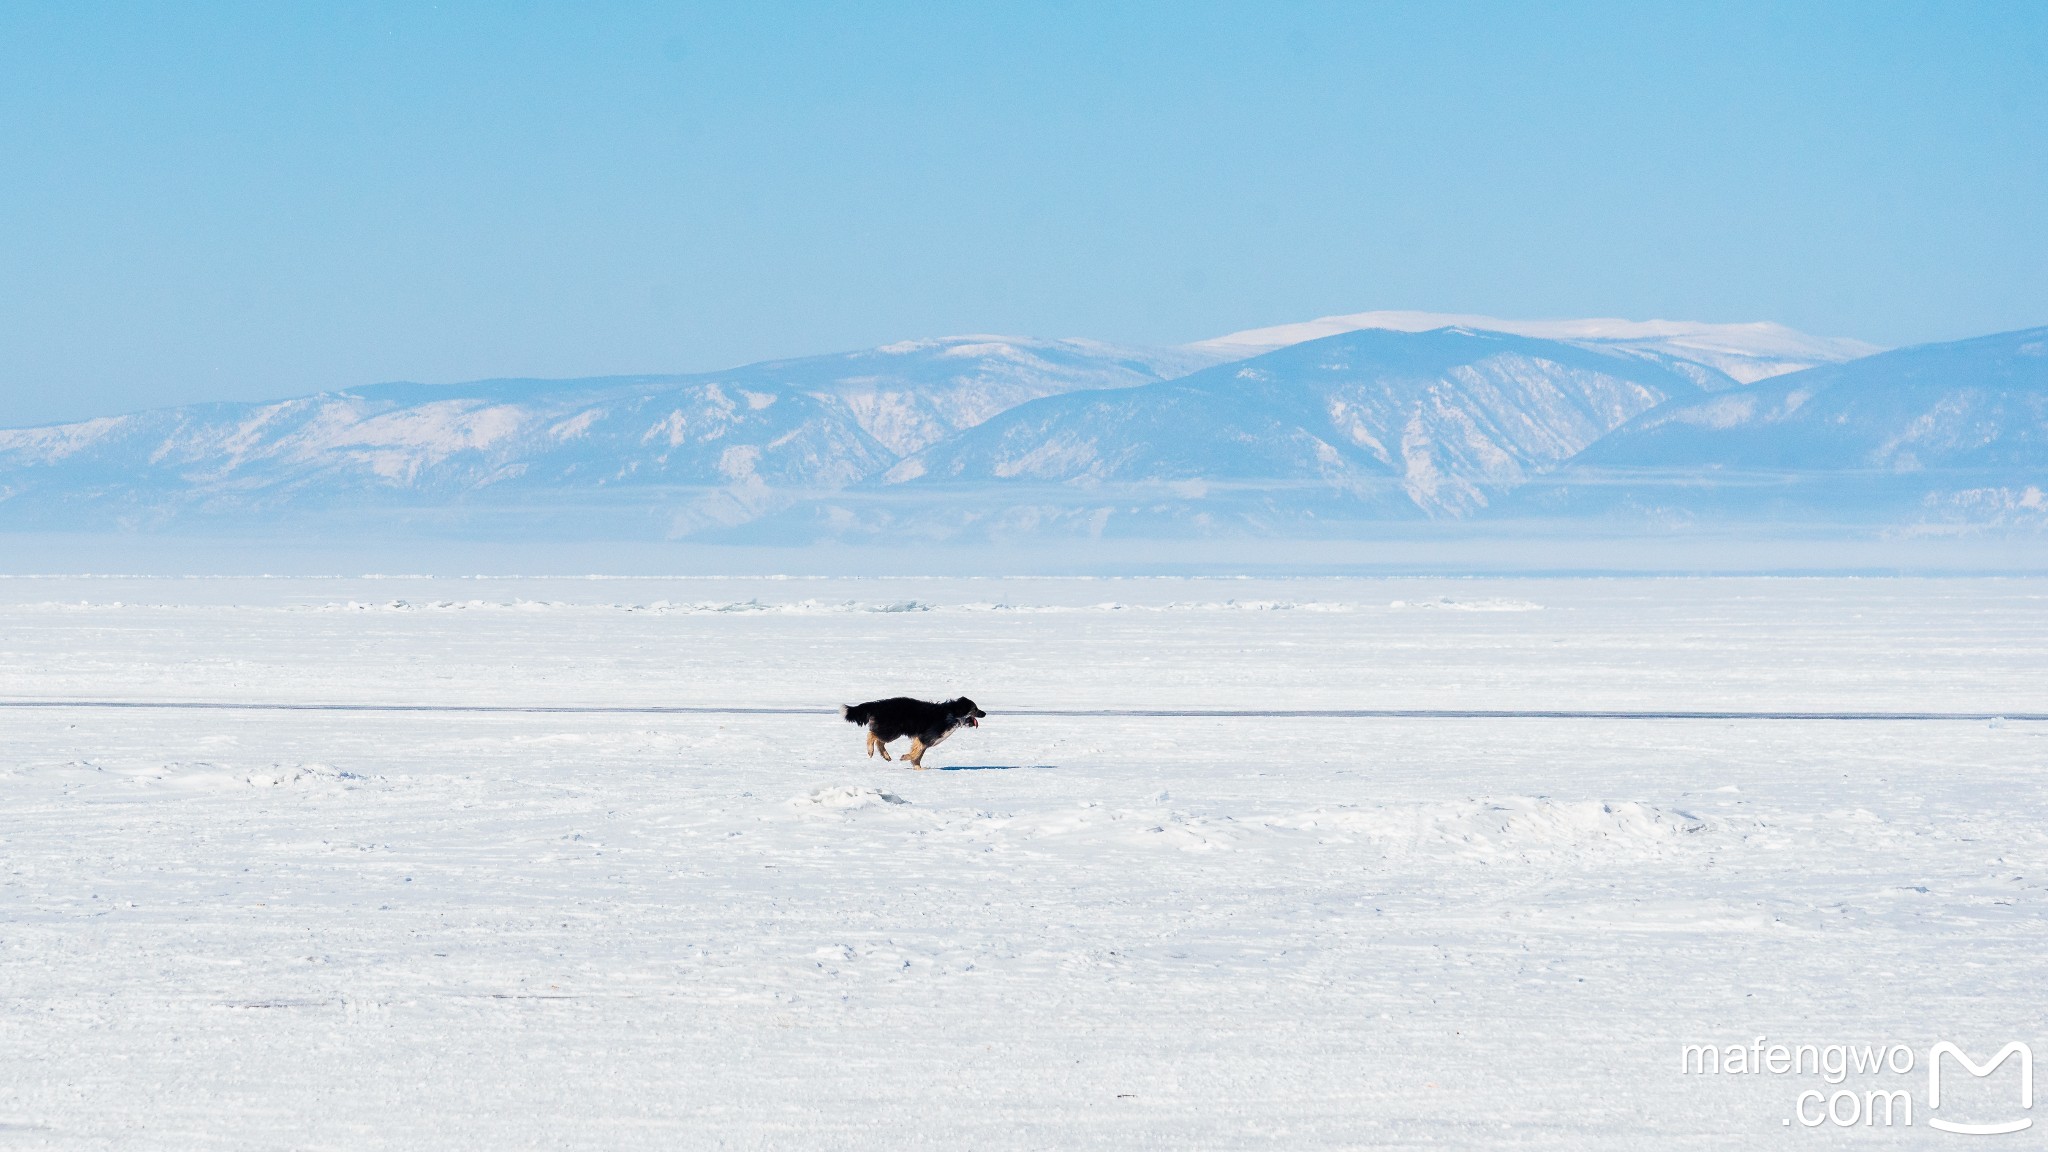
1947, 433
1375, 393
1363, 425
714, 448
1745, 352
1617, 422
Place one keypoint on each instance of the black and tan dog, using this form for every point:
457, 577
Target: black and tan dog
925, 723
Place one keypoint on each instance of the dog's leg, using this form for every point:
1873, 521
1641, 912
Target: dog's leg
871, 745
881, 745
916, 756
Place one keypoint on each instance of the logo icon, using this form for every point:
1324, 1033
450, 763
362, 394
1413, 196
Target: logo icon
2026, 1056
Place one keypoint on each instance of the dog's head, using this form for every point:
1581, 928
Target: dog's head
965, 711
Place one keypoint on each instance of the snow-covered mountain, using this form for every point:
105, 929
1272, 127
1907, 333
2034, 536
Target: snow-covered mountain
1742, 353
1936, 434
1369, 424
676, 453
982, 436
916, 392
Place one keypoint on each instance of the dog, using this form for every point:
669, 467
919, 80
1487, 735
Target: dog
925, 723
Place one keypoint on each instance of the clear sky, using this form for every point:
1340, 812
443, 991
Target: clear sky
213, 201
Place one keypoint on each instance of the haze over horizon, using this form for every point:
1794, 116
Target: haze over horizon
243, 203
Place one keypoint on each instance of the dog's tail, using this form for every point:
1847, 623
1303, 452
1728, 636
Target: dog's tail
854, 713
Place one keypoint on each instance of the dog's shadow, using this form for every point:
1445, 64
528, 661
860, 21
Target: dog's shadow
991, 767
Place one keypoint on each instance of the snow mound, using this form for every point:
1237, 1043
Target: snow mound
200, 777
193, 776
845, 798
817, 607
1492, 831
658, 608
1512, 827
1091, 823
442, 606
1489, 605
799, 608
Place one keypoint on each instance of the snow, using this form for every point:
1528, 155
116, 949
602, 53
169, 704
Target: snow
1299, 435
1747, 352
818, 424
615, 930
1898, 437
50, 444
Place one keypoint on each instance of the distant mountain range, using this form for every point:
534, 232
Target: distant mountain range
1744, 353
1365, 425
1940, 434
666, 455
1299, 429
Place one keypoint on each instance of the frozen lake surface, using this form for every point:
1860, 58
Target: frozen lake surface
330, 929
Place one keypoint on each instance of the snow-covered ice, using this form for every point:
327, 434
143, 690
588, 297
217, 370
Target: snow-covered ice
374, 930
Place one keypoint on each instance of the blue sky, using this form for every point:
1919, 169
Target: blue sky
237, 201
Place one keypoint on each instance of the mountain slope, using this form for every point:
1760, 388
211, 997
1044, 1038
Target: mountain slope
916, 392
1743, 353
1944, 432
684, 452
972, 437
1368, 424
